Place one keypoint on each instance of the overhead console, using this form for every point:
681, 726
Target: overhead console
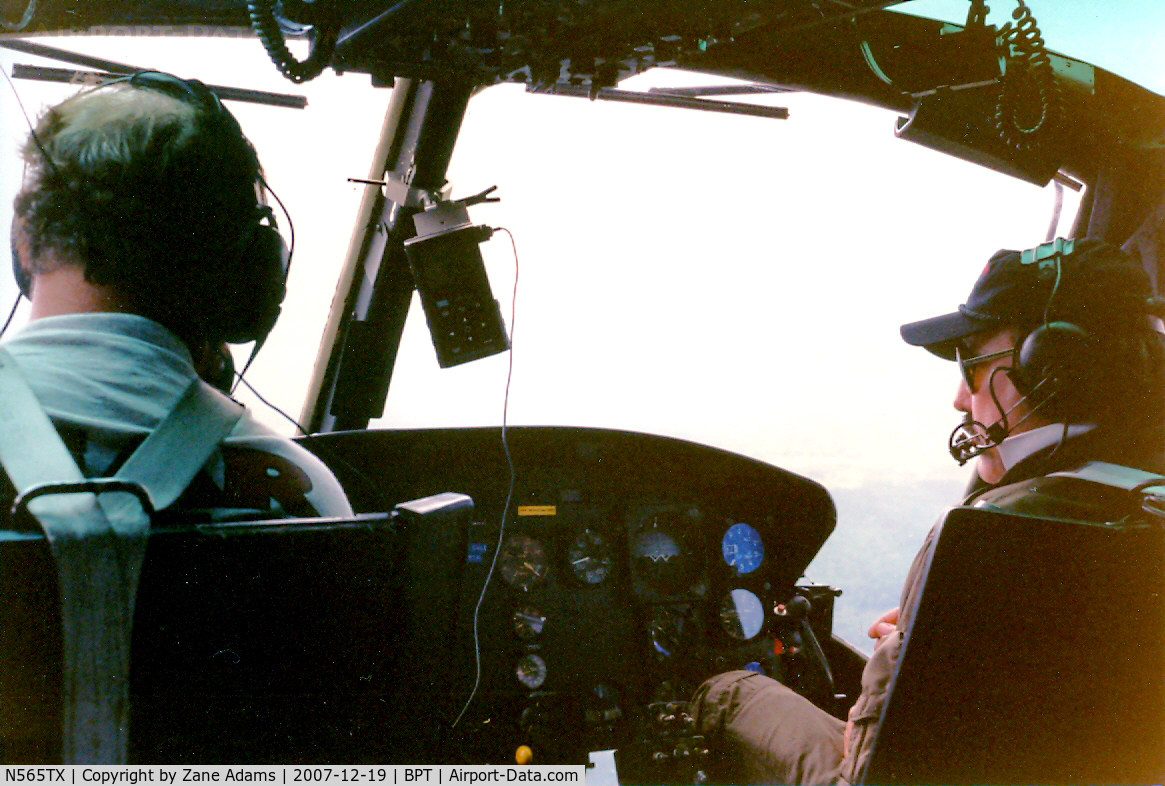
629, 569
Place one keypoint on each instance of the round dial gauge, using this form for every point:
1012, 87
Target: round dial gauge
528, 622
741, 614
590, 557
522, 562
742, 548
531, 671
666, 628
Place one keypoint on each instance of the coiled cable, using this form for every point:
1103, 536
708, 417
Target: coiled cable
25, 19
1029, 80
266, 27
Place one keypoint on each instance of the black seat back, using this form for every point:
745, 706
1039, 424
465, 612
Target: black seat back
1037, 655
283, 641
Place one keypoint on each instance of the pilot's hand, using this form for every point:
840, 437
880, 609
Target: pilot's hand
883, 627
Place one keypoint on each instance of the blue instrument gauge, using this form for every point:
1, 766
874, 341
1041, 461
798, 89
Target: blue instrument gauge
742, 548
742, 615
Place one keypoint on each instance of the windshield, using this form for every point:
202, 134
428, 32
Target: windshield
730, 280
1124, 38
738, 282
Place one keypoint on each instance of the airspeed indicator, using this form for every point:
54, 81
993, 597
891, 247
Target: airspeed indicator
590, 557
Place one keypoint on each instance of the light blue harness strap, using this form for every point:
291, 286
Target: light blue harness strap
98, 542
1151, 486
1113, 475
174, 452
23, 423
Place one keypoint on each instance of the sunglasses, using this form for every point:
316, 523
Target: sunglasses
967, 364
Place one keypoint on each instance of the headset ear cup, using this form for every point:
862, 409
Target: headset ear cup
271, 258
1051, 354
262, 285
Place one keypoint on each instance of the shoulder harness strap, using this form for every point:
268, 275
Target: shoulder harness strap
97, 531
1149, 485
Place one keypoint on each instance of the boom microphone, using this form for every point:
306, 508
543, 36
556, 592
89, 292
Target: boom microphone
971, 438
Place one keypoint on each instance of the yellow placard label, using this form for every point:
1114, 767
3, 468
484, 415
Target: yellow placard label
537, 510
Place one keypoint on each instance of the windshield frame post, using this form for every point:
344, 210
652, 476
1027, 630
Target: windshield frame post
358, 351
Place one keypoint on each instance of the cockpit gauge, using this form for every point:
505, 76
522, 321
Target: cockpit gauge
667, 629
522, 562
659, 554
658, 558
742, 548
742, 615
590, 557
528, 622
531, 671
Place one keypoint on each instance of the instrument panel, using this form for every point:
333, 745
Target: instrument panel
666, 561
618, 572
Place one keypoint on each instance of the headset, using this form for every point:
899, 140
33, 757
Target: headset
1059, 358
259, 268
1050, 354
1053, 353
1058, 361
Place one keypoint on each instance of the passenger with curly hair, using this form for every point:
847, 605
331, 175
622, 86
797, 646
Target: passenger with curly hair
143, 241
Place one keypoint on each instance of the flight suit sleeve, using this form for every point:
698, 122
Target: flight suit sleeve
867, 710
879, 671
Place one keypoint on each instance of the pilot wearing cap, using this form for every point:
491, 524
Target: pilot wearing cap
1061, 354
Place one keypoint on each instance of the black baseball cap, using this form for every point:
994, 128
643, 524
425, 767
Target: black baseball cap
1098, 285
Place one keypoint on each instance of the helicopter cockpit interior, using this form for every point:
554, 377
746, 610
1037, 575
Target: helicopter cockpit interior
557, 586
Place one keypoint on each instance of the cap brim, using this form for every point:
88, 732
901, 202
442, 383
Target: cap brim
941, 335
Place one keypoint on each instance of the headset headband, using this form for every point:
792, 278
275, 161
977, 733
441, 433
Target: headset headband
253, 274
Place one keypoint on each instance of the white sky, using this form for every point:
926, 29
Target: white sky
736, 281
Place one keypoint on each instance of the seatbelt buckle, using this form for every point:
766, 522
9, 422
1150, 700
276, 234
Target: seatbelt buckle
92, 485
